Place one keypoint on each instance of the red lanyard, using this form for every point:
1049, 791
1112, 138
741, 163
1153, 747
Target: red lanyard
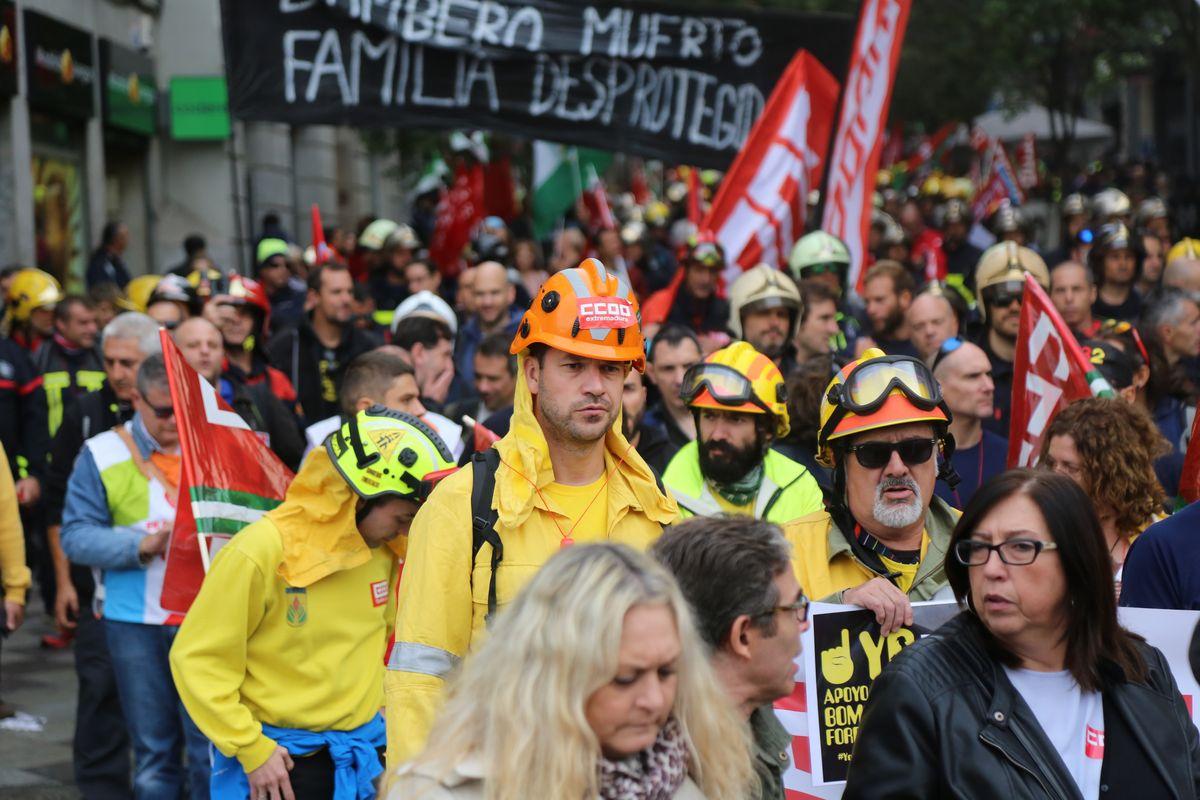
567, 540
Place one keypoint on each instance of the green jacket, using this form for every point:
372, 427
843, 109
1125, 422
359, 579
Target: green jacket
788, 489
825, 564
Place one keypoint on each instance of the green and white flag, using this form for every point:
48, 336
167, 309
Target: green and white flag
559, 175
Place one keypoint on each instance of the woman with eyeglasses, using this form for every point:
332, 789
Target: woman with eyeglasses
1108, 447
1035, 690
593, 684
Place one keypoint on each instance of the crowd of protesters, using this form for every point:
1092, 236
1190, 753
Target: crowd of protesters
719, 451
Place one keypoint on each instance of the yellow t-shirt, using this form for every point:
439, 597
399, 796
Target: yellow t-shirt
729, 508
908, 572
584, 522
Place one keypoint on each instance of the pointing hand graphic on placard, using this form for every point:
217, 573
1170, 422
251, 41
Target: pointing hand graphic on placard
836, 664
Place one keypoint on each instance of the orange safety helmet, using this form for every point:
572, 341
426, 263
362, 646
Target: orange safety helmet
878, 391
587, 311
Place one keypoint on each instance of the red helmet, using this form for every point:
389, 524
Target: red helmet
248, 292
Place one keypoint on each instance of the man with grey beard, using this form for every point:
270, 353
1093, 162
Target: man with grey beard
881, 539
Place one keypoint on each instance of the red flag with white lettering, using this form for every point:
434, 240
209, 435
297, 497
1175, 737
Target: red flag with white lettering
758, 213
228, 479
459, 210
859, 139
1049, 371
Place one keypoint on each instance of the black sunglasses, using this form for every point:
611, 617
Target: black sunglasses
161, 413
1004, 294
876, 455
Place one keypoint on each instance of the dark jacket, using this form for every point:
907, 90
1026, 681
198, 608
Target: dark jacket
89, 415
67, 373
1162, 569
944, 721
268, 416
105, 267
654, 446
23, 426
314, 371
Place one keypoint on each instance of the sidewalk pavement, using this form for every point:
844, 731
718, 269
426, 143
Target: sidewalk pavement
37, 766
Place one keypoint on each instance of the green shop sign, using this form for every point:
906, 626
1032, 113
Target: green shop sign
199, 108
130, 93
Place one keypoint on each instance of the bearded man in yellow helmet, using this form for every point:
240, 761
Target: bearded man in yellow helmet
280, 659
564, 473
738, 398
882, 538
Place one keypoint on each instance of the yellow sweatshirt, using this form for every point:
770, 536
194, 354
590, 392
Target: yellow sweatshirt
13, 572
291, 625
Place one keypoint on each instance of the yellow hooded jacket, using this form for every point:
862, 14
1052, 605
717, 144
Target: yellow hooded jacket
443, 597
291, 624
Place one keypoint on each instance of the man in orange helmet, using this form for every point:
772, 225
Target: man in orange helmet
882, 538
563, 473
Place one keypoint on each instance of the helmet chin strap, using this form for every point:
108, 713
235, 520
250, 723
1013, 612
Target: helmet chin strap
946, 471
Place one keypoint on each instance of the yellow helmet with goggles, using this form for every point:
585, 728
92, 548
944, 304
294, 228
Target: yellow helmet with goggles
738, 378
881, 391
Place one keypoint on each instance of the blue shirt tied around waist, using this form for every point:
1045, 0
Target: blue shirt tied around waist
355, 760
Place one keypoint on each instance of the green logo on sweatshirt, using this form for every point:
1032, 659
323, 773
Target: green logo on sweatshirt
297, 606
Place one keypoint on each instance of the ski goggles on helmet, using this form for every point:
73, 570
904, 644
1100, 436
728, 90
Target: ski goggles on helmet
867, 388
725, 384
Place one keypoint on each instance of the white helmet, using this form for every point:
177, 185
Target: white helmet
760, 288
426, 304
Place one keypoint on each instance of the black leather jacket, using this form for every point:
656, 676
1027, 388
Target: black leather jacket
943, 721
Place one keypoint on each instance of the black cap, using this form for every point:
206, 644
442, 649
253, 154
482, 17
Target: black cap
1111, 361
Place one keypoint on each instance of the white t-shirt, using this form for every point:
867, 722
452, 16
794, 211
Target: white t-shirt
1072, 719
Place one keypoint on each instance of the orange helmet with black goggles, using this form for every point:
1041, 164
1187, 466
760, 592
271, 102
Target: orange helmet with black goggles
878, 391
738, 378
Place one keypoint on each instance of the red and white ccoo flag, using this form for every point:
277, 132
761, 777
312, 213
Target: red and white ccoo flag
1049, 371
859, 139
758, 213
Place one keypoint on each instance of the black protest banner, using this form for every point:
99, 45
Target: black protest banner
671, 82
846, 656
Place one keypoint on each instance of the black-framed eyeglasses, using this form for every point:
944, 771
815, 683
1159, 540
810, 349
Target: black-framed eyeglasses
1014, 552
161, 413
799, 608
876, 455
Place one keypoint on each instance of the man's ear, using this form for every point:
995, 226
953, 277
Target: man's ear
533, 373
738, 641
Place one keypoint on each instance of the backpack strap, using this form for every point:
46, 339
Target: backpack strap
483, 517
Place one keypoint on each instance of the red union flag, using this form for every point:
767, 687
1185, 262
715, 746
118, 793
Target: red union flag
458, 212
228, 477
758, 212
859, 139
1049, 371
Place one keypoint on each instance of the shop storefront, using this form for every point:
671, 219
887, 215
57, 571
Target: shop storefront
62, 74
130, 99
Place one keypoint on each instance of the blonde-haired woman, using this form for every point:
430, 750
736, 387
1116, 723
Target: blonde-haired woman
592, 684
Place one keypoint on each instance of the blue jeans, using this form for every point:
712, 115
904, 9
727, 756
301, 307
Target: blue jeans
159, 726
